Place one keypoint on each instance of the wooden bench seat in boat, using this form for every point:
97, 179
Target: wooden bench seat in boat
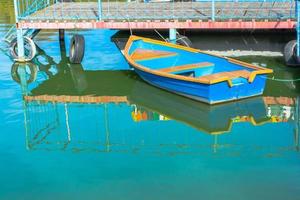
186, 67
145, 54
225, 76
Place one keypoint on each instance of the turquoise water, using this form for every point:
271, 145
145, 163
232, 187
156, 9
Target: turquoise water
139, 142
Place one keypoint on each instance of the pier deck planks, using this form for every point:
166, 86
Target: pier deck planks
125, 12
165, 10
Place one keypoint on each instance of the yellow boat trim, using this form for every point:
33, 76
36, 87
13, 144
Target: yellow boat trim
258, 70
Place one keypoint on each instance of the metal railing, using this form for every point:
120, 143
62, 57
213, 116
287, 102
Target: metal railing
24, 8
153, 10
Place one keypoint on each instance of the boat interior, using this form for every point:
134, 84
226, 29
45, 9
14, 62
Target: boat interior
189, 62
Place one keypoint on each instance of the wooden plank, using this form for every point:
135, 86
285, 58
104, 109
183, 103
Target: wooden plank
186, 67
142, 54
92, 24
225, 75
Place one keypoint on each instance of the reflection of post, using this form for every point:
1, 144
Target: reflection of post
297, 123
22, 74
107, 142
78, 77
27, 140
215, 146
67, 123
62, 45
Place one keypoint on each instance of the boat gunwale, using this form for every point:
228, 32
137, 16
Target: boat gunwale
257, 70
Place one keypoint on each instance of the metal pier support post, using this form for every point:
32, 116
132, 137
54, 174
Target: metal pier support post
20, 43
298, 28
61, 33
99, 10
213, 15
20, 39
172, 35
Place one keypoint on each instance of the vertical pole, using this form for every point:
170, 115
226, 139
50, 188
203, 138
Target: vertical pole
20, 42
298, 27
62, 45
172, 35
213, 10
61, 33
99, 10
16, 10
20, 39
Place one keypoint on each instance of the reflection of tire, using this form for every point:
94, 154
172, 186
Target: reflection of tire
77, 47
288, 75
29, 49
15, 74
184, 41
78, 77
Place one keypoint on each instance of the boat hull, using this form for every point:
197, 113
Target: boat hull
192, 73
208, 93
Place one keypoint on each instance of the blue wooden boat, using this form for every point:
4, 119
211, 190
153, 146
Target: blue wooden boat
193, 73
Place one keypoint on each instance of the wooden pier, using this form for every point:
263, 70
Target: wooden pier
34, 15
163, 15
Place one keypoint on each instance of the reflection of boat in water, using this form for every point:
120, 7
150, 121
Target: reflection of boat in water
109, 87
210, 119
105, 100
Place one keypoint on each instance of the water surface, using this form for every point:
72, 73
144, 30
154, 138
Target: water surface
74, 132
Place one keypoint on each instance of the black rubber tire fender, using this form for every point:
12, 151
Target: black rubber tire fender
289, 53
77, 48
14, 46
296, 58
184, 41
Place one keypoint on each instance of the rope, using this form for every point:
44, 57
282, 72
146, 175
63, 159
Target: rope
178, 37
127, 18
160, 35
283, 80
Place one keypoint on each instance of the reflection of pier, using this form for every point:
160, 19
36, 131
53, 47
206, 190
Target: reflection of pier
53, 117
113, 112
76, 99
281, 109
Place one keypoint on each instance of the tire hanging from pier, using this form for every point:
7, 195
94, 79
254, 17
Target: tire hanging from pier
290, 54
29, 49
77, 48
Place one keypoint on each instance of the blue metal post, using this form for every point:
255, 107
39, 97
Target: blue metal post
213, 10
20, 39
16, 10
99, 10
298, 27
172, 35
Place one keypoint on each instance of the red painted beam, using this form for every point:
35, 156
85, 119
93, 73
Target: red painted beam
230, 24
